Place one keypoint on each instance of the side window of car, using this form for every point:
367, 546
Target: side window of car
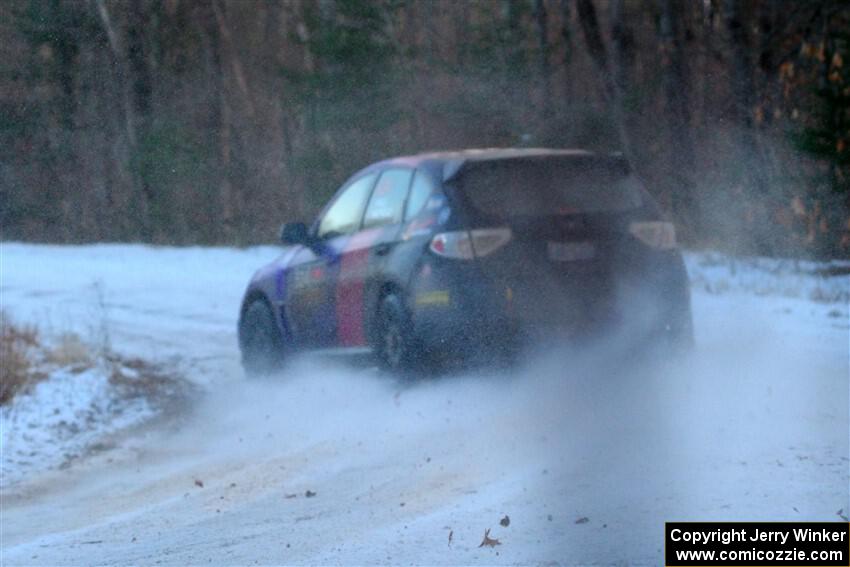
343, 216
387, 202
419, 193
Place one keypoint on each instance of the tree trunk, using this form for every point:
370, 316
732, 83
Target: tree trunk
221, 114
140, 74
748, 152
229, 52
623, 41
120, 70
611, 90
542, 21
742, 84
142, 193
677, 96
567, 38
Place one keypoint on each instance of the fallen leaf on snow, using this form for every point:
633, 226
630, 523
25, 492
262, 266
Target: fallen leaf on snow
488, 541
506, 521
309, 494
583, 520
290, 495
199, 483
451, 534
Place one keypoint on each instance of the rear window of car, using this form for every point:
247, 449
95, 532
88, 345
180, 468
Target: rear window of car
419, 193
539, 187
387, 202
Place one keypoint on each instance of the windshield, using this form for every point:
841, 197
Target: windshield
510, 188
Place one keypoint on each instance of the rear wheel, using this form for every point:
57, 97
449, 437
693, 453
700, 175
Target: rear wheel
260, 340
396, 347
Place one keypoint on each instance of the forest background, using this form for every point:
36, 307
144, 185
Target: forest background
213, 121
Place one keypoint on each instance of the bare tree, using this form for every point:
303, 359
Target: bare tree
542, 20
142, 194
567, 39
612, 92
677, 96
742, 88
118, 58
623, 42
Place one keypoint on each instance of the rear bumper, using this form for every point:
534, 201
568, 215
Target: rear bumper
456, 309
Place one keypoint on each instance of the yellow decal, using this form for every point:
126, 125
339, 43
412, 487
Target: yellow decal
433, 298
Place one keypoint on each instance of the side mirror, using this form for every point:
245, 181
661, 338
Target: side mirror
294, 233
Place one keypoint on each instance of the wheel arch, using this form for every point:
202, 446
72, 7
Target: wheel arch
252, 296
382, 290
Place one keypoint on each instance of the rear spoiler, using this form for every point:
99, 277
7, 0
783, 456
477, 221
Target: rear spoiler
452, 167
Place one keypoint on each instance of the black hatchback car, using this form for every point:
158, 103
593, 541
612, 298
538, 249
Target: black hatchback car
439, 255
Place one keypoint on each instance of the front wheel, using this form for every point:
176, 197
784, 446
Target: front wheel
260, 340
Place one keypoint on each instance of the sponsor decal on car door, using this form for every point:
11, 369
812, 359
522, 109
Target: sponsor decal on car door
310, 290
350, 288
364, 257
314, 280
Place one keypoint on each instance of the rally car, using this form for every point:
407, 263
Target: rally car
440, 255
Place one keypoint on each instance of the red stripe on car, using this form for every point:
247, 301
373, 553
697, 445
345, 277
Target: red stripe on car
354, 267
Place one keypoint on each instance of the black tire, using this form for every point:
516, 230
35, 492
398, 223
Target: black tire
396, 347
260, 340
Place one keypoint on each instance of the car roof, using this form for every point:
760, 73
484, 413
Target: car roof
453, 160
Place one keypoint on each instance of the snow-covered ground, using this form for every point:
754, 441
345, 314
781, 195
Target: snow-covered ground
61, 418
588, 456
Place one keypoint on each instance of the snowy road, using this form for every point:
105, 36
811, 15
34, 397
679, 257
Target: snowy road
588, 458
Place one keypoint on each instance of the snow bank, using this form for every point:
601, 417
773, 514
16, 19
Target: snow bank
822, 282
61, 417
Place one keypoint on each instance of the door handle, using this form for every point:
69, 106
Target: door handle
383, 248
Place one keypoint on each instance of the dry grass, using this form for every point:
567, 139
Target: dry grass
18, 344
139, 378
69, 350
26, 358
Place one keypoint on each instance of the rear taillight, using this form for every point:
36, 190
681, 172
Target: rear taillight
658, 234
453, 245
469, 244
